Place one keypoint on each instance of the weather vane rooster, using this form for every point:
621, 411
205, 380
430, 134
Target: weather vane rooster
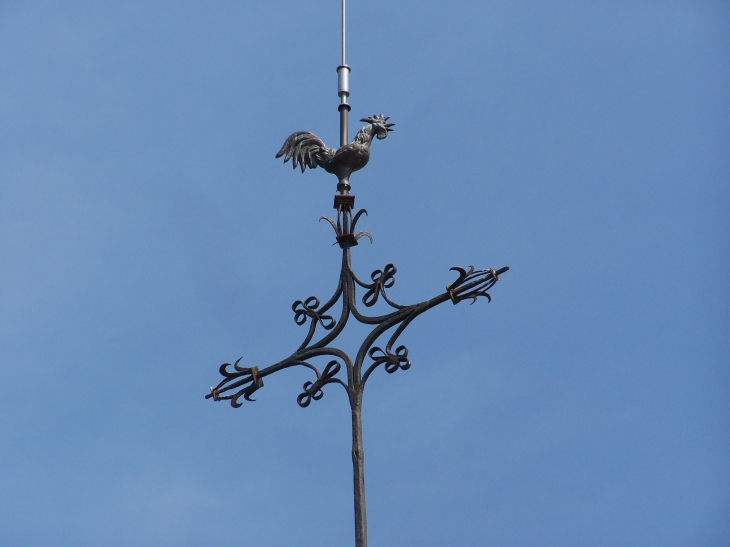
307, 150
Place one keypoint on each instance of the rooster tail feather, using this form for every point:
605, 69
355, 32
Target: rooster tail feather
305, 150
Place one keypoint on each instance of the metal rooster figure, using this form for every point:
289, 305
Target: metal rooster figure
307, 150
323, 325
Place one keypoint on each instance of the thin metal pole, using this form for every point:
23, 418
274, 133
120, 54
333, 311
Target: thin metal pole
343, 86
344, 108
358, 472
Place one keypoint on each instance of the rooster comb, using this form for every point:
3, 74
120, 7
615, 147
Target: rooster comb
379, 119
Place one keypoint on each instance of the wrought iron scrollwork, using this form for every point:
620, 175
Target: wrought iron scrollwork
308, 308
382, 279
240, 382
392, 361
313, 390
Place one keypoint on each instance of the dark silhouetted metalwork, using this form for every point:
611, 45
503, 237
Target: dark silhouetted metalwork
243, 382
307, 150
322, 321
327, 322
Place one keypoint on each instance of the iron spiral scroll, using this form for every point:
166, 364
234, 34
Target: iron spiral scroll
242, 382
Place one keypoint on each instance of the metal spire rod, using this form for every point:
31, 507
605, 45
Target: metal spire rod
343, 86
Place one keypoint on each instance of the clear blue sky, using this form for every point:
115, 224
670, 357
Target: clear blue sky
147, 235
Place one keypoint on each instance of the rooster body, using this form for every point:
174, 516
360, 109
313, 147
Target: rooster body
307, 150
